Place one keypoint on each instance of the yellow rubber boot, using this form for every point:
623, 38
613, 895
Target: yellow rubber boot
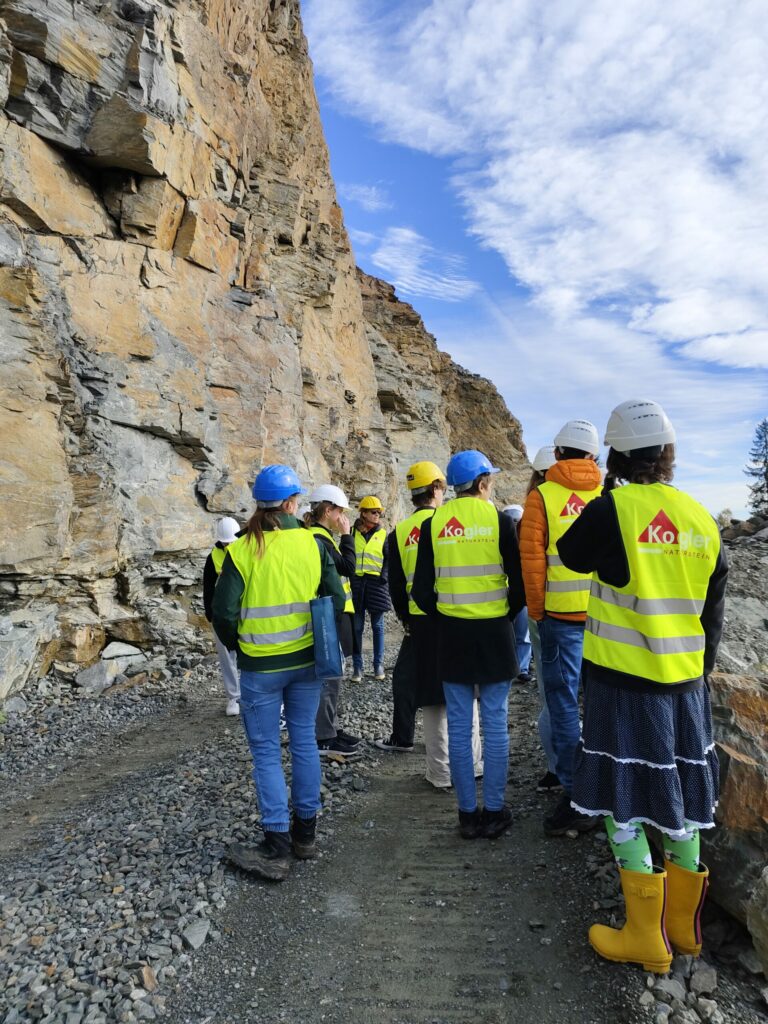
686, 892
642, 940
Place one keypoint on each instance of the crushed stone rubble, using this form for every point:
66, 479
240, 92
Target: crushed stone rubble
101, 921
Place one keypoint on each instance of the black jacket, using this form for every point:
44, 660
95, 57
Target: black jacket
593, 544
210, 579
473, 651
371, 593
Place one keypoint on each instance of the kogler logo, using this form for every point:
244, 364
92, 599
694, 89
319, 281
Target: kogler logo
573, 507
413, 537
661, 530
454, 530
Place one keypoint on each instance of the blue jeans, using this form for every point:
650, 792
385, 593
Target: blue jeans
522, 640
561, 647
261, 695
377, 627
459, 701
545, 726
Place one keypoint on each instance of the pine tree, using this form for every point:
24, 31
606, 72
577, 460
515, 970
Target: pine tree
758, 469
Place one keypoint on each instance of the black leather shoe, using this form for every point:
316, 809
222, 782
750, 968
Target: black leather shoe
493, 823
270, 859
469, 824
303, 837
565, 818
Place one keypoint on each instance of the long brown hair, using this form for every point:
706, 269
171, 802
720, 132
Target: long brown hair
314, 515
262, 518
644, 466
538, 476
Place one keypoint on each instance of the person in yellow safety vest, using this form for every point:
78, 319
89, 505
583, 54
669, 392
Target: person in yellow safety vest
557, 598
326, 519
654, 620
369, 584
261, 609
468, 575
227, 530
416, 681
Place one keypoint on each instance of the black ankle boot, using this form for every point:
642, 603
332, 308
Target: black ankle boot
271, 859
493, 823
469, 824
303, 837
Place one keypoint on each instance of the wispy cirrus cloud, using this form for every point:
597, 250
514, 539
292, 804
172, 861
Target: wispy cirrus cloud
614, 154
417, 268
371, 198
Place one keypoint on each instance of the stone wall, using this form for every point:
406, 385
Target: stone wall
179, 305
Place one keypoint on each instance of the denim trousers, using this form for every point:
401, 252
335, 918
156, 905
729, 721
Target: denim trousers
561, 647
522, 640
459, 706
261, 696
545, 726
377, 628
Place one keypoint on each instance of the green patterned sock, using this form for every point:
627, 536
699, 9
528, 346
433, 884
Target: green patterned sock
630, 846
683, 850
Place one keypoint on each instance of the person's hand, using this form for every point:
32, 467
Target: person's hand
343, 523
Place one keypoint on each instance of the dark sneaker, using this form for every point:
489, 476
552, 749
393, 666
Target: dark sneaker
348, 738
393, 744
493, 823
303, 837
566, 819
524, 677
469, 824
269, 860
337, 749
549, 783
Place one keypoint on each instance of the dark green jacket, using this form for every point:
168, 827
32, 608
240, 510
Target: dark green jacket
227, 601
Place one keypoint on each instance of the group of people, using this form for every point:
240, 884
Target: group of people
623, 579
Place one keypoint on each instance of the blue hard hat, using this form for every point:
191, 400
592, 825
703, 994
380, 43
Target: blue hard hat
465, 467
275, 483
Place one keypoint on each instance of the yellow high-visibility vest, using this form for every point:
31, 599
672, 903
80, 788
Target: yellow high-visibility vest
408, 533
279, 584
567, 592
469, 576
369, 554
651, 628
320, 531
217, 556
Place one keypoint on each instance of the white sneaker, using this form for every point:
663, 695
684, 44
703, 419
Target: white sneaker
356, 677
233, 708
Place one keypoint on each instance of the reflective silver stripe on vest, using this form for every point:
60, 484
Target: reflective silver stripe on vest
489, 595
270, 611
654, 644
409, 577
448, 571
368, 557
568, 585
275, 638
648, 605
554, 560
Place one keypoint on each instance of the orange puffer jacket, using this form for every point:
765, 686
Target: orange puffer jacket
578, 474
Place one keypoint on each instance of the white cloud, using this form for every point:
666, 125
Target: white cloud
362, 239
372, 198
416, 268
618, 151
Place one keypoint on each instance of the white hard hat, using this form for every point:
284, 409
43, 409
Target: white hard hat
544, 458
638, 423
327, 492
579, 434
227, 530
515, 512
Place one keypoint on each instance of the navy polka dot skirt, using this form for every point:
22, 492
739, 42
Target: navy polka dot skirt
647, 757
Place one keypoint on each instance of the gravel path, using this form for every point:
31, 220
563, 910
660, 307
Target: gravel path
116, 903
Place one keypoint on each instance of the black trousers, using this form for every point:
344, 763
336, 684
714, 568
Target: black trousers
404, 684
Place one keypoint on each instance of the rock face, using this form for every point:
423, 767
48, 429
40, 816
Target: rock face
179, 306
737, 850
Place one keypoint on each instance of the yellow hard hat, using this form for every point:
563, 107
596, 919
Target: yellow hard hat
372, 502
422, 474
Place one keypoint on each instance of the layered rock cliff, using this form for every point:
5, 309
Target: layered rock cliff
180, 306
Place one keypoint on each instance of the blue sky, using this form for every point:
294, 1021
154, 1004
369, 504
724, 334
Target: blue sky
574, 197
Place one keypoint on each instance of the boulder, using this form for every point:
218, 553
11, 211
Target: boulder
24, 637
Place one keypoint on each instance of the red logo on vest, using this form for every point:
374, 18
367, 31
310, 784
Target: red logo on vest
573, 507
660, 530
413, 537
453, 528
